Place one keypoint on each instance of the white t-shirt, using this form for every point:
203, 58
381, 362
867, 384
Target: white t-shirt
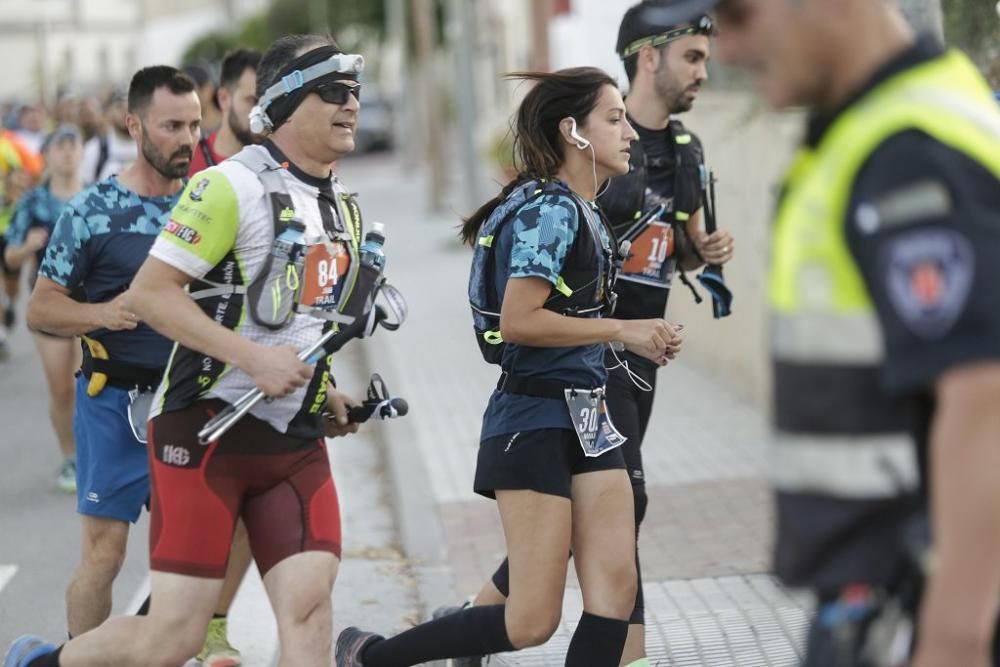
122, 152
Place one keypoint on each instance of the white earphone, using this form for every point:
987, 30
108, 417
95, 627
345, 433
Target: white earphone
581, 142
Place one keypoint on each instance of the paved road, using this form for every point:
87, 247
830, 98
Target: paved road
39, 529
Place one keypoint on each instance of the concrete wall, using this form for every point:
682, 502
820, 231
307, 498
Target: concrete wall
748, 148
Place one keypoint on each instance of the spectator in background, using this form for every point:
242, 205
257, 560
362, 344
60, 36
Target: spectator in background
211, 117
109, 152
25, 240
90, 118
67, 109
31, 121
236, 96
14, 181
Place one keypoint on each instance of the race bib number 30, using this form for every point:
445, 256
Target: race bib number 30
592, 423
649, 259
326, 265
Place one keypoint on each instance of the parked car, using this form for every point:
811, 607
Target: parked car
375, 123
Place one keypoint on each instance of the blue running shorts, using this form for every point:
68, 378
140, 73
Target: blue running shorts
112, 467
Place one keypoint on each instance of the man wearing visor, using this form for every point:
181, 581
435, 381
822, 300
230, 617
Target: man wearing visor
249, 307
885, 330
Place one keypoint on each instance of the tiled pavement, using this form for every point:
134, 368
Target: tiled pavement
705, 539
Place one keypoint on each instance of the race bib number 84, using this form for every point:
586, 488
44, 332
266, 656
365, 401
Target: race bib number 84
326, 265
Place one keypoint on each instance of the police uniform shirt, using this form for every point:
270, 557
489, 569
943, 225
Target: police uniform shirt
98, 244
923, 226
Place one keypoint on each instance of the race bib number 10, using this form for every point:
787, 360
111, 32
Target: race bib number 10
649, 261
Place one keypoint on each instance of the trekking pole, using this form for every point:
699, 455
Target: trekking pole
328, 343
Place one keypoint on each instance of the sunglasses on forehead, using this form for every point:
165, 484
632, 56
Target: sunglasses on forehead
338, 91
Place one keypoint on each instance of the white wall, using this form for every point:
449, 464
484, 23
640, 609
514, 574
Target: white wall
587, 36
44, 43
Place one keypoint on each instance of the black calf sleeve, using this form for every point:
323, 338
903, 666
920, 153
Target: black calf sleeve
47, 660
641, 500
472, 631
597, 642
501, 578
638, 616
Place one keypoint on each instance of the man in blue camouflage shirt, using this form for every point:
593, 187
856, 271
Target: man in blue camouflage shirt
98, 244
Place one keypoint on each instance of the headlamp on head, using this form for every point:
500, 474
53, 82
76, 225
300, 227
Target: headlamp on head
703, 25
340, 63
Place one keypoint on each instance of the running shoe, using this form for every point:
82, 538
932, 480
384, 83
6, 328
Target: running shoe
351, 644
468, 661
26, 648
217, 651
66, 481
9, 317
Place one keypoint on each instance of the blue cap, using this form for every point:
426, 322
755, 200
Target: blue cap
62, 132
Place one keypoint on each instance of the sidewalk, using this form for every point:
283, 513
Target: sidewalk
704, 542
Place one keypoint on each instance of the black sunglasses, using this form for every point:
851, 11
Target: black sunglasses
337, 92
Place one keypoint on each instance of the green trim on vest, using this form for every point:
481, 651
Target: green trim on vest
812, 268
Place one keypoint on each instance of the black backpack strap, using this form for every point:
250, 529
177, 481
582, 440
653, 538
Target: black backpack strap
103, 152
206, 152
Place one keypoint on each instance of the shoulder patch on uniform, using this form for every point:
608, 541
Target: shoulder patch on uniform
912, 203
928, 277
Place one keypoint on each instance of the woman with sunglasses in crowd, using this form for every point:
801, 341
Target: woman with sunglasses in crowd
545, 260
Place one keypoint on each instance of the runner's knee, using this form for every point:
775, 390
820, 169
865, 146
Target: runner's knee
103, 554
534, 626
172, 644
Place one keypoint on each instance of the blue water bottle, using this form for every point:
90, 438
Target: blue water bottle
371, 248
288, 245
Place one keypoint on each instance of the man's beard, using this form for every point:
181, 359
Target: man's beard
675, 99
682, 103
161, 163
242, 134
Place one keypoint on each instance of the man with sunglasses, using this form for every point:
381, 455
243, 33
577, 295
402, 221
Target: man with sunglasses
236, 329
657, 206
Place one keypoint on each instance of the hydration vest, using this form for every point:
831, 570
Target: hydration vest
631, 207
585, 283
261, 294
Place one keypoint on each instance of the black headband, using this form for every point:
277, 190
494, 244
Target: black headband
284, 106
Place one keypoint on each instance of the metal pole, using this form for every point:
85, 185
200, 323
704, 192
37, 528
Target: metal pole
423, 41
541, 12
463, 29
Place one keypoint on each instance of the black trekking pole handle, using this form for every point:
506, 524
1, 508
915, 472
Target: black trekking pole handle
388, 409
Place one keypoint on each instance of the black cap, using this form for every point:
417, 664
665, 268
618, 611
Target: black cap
652, 18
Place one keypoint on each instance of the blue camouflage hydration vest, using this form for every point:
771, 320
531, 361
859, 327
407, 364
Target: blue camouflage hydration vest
584, 288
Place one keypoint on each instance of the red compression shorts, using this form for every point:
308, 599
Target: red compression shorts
281, 487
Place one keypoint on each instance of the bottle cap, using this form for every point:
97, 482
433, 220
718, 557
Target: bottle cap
378, 228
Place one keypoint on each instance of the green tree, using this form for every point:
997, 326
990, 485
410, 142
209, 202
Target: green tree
349, 21
973, 26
